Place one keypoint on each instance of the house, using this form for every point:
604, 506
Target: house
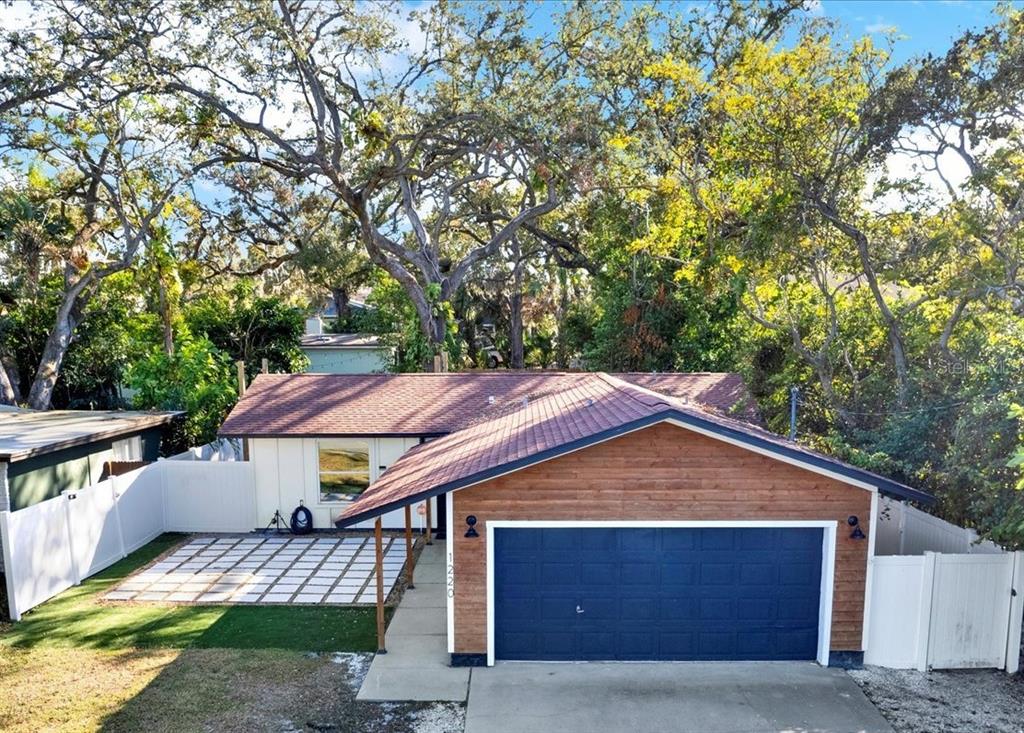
588, 516
322, 439
43, 453
344, 353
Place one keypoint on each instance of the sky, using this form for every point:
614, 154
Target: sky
925, 26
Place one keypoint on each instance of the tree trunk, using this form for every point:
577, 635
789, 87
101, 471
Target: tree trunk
68, 315
515, 301
341, 306
8, 389
892, 324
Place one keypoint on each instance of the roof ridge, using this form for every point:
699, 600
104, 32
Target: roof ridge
631, 390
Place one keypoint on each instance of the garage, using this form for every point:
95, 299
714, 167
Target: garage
600, 520
657, 593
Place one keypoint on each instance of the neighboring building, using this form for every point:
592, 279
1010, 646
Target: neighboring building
343, 353
45, 452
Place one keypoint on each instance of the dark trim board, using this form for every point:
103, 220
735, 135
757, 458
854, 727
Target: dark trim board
846, 659
468, 660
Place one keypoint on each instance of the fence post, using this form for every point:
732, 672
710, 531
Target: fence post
6, 541
903, 523
924, 622
116, 494
1016, 613
69, 496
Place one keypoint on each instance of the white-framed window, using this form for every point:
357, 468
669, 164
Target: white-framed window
128, 449
344, 466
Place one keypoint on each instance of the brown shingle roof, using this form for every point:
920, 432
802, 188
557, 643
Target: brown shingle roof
432, 404
588, 409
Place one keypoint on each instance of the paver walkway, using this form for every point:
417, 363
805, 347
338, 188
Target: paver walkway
416, 664
257, 569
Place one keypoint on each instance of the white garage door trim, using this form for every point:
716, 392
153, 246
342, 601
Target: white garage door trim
828, 560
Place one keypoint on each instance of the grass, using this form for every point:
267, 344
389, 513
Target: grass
77, 618
79, 663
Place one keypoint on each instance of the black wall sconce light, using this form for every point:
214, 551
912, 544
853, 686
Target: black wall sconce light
857, 533
471, 523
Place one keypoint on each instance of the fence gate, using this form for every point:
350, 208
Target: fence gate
971, 597
946, 611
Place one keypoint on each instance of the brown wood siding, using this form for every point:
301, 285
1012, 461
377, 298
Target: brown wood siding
662, 472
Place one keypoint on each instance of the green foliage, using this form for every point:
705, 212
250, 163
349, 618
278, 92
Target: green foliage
250, 328
393, 317
106, 341
197, 378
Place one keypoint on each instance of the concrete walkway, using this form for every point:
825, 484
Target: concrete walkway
687, 697
416, 665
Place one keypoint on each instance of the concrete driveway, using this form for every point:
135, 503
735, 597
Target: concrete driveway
742, 697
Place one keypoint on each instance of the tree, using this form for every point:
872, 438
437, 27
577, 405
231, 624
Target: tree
250, 328
437, 165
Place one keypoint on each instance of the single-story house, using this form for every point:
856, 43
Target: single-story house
320, 440
589, 516
346, 353
343, 353
43, 453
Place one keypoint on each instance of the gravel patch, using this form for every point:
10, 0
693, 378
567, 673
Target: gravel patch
956, 701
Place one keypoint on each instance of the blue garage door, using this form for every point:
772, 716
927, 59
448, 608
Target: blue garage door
665, 594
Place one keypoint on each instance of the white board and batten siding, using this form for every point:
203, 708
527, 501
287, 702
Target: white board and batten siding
287, 473
946, 611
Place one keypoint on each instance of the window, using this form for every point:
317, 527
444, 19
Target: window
344, 469
128, 449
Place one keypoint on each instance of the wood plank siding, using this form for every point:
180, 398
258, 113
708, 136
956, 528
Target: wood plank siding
663, 472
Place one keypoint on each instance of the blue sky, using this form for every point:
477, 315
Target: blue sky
925, 26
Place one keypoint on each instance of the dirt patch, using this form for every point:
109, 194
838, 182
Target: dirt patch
202, 690
979, 701
267, 690
71, 689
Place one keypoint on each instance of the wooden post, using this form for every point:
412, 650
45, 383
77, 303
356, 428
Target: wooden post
408, 544
437, 362
430, 525
266, 365
379, 541
240, 365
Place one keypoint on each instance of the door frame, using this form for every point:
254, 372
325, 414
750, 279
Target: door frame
828, 558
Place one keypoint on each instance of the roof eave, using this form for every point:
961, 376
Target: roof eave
144, 423
839, 468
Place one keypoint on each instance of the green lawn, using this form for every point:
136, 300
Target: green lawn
77, 618
166, 668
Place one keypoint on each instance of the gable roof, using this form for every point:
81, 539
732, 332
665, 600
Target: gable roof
431, 404
26, 433
590, 409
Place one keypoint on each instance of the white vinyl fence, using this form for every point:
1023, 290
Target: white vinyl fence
53, 545
904, 530
935, 611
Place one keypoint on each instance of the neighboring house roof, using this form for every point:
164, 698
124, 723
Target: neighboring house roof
341, 341
430, 404
587, 410
26, 433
